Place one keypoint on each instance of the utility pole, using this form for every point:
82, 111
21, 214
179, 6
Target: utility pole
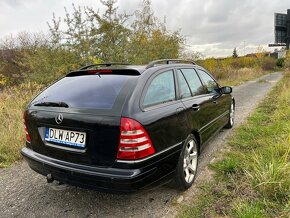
244, 47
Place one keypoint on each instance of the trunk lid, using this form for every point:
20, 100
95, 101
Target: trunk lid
102, 136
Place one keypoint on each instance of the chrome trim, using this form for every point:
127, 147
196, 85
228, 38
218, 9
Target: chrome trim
59, 118
78, 150
132, 133
214, 120
133, 140
134, 149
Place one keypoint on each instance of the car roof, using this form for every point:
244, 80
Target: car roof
159, 64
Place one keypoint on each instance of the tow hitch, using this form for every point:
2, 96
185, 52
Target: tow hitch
49, 178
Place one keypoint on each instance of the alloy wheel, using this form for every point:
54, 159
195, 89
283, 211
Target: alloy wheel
190, 161
232, 114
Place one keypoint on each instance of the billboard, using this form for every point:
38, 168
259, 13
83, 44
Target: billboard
280, 28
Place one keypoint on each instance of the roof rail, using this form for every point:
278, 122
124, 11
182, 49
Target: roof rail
103, 64
169, 61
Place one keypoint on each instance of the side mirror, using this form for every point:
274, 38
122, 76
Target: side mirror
226, 90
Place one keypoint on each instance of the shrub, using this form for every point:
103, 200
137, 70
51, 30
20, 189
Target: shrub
46, 64
280, 62
268, 63
287, 60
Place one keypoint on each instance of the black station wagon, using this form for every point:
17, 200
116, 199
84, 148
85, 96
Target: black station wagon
122, 128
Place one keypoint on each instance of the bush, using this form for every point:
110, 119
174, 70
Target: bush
268, 63
287, 61
280, 62
244, 62
46, 64
287, 64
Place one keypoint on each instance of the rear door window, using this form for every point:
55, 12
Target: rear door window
183, 86
160, 90
85, 92
193, 81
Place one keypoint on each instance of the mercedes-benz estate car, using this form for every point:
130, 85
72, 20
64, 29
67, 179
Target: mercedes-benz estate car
122, 128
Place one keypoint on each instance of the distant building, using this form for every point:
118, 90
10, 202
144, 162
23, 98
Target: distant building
263, 54
275, 54
282, 29
278, 54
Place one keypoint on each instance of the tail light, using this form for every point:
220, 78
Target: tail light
135, 142
28, 139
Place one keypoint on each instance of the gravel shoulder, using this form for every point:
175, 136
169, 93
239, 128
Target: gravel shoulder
24, 193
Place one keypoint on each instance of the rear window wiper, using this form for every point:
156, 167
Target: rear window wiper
52, 104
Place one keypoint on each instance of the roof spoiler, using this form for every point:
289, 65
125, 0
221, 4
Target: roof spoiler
103, 64
84, 72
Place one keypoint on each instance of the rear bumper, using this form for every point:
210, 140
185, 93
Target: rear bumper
104, 179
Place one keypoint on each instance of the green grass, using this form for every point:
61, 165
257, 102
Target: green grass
249, 210
253, 178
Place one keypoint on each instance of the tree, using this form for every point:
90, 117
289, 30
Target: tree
92, 35
189, 54
235, 54
76, 37
150, 39
112, 37
109, 37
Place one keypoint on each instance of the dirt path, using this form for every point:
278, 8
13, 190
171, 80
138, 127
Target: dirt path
24, 193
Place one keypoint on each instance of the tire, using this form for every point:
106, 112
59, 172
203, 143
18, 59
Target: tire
187, 164
231, 119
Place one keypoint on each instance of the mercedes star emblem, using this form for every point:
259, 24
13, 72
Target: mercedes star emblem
59, 118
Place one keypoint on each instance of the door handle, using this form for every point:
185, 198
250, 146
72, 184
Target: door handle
195, 107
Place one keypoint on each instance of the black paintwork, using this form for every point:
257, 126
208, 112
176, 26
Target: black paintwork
167, 124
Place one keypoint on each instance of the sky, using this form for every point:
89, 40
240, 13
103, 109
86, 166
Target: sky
212, 27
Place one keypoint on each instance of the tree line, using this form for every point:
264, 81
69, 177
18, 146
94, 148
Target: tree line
84, 36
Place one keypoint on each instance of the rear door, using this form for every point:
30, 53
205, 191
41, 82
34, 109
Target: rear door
196, 101
162, 113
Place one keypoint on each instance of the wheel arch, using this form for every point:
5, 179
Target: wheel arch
233, 100
196, 134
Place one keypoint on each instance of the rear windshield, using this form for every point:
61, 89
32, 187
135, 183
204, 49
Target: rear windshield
89, 91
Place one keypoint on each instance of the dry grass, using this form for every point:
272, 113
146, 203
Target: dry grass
240, 76
12, 138
234, 71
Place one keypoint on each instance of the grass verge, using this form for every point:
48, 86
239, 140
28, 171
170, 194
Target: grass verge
253, 178
13, 100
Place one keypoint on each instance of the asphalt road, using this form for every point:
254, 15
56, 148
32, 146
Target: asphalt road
24, 193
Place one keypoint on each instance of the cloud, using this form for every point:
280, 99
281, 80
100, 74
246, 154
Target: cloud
213, 27
12, 3
217, 26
